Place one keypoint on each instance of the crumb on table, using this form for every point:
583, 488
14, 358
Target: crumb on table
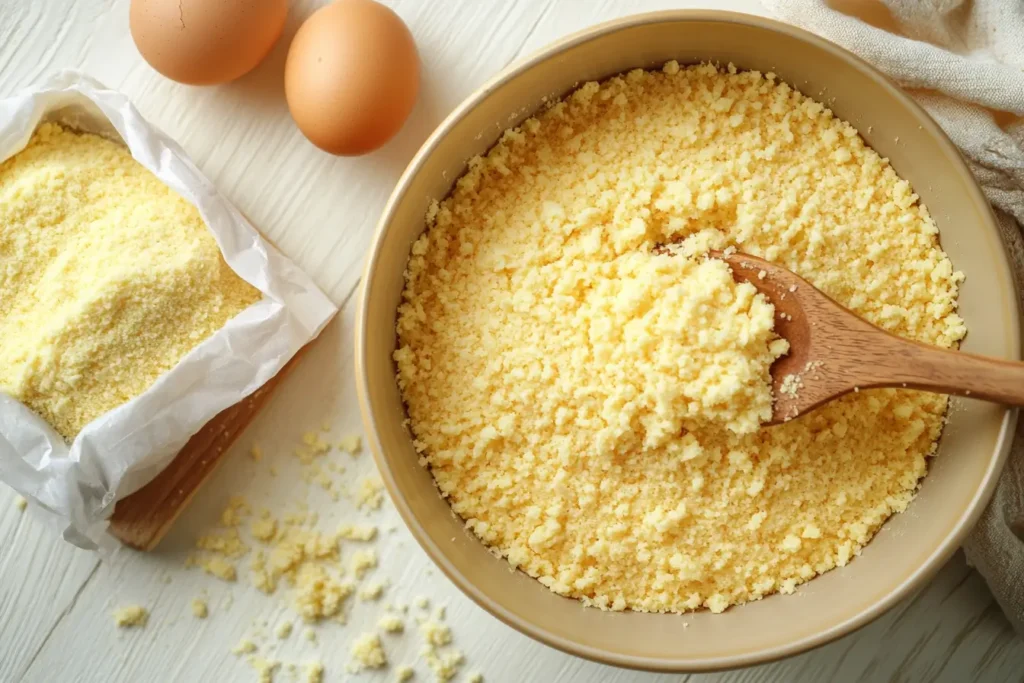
586, 387
131, 616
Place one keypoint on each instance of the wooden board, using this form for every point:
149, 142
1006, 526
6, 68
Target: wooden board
144, 517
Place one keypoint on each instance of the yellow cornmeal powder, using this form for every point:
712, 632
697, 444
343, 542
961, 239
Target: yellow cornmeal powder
131, 616
561, 405
107, 278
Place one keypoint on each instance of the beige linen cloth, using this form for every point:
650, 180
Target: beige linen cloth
959, 59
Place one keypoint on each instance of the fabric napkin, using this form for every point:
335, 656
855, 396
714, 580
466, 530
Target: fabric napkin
959, 59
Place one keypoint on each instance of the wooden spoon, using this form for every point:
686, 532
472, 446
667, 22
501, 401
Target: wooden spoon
833, 351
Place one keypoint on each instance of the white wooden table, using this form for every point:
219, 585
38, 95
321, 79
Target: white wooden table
55, 600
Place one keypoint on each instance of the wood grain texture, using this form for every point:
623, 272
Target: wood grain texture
142, 519
833, 351
55, 600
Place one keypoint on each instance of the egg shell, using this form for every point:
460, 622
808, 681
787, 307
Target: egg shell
204, 42
352, 76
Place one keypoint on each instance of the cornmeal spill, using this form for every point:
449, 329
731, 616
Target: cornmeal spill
131, 616
200, 609
585, 386
318, 571
108, 278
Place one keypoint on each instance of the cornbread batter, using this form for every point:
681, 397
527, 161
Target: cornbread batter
107, 278
584, 400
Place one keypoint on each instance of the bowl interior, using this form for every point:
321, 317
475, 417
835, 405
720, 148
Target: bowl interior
910, 547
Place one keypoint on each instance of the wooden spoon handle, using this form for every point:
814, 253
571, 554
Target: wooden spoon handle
920, 366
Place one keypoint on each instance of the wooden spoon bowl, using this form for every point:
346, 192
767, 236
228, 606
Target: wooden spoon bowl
833, 351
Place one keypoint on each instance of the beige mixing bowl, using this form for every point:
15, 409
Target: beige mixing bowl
911, 546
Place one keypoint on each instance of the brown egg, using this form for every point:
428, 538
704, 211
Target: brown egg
203, 42
352, 76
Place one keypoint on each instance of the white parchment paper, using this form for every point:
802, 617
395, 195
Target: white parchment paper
122, 450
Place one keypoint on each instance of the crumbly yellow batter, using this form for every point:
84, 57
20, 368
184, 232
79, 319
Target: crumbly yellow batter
558, 376
107, 278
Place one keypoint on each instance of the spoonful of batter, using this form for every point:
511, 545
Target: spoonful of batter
833, 351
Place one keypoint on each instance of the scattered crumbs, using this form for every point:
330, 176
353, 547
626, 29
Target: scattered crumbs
445, 665
475, 677
319, 595
288, 548
244, 647
264, 529
357, 533
314, 671
264, 668
422, 602
273, 470
435, 633
792, 288
362, 562
237, 509
313, 447
131, 616
790, 385
224, 543
214, 566
391, 624
302, 556
370, 494
761, 275
367, 653
371, 591
351, 444
325, 426
200, 610
21, 503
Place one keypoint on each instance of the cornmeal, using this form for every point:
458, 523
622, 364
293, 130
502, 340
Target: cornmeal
391, 624
585, 385
367, 653
200, 610
131, 616
108, 278
314, 672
